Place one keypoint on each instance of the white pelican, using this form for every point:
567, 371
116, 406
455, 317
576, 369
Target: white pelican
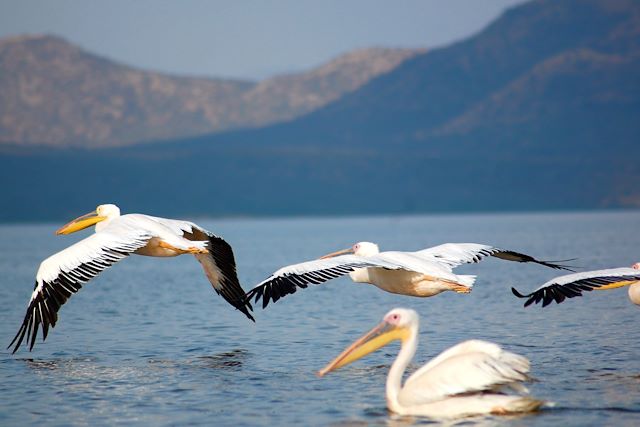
421, 274
464, 380
572, 285
116, 237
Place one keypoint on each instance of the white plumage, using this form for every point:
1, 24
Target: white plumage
105, 247
470, 378
423, 273
572, 285
116, 237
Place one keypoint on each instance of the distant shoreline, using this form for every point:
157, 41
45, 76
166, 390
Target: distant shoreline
292, 217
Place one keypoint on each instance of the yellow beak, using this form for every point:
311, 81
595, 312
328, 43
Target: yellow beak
81, 223
341, 252
378, 337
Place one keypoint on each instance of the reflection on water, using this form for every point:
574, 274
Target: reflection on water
232, 360
382, 417
52, 364
149, 343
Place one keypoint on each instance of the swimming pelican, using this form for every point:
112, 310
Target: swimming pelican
423, 273
116, 237
462, 381
572, 285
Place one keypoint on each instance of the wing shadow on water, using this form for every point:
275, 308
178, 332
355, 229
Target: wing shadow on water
230, 360
56, 364
233, 360
380, 416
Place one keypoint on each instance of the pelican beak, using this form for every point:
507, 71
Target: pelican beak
341, 252
81, 223
378, 337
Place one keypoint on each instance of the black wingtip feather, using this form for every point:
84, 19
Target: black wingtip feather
518, 294
276, 287
43, 307
561, 292
520, 257
241, 303
246, 313
532, 297
19, 337
34, 335
222, 255
557, 265
41, 313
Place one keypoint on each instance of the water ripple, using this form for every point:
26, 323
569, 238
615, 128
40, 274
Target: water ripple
188, 359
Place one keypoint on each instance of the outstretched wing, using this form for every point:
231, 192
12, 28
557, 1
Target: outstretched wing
288, 279
219, 264
572, 285
455, 254
62, 274
470, 366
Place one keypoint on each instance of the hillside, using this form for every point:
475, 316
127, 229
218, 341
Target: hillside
541, 110
565, 61
290, 96
56, 94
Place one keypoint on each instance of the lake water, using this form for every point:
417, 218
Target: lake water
149, 343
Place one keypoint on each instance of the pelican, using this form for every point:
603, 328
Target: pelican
468, 379
572, 285
423, 273
116, 237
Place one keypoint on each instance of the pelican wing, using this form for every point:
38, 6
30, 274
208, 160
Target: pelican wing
219, 264
288, 279
455, 254
413, 261
471, 366
572, 285
62, 274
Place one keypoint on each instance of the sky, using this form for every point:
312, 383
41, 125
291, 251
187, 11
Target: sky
246, 39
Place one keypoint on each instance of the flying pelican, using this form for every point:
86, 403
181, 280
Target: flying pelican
116, 237
423, 273
462, 381
572, 285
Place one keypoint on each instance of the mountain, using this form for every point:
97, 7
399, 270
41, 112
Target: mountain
289, 96
559, 63
540, 110
56, 94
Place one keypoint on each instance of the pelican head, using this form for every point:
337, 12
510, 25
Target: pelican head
102, 213
398, 324
360, 249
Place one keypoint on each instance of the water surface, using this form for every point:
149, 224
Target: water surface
149, 343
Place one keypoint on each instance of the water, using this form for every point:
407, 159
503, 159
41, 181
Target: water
149, 343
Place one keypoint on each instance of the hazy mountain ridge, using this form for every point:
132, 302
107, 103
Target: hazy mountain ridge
425, 96
289, 96
56, 94
538, 111
598, 81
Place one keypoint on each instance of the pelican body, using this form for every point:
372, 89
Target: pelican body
116, 237
572, 285
426, 277
468, 379
423, 273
